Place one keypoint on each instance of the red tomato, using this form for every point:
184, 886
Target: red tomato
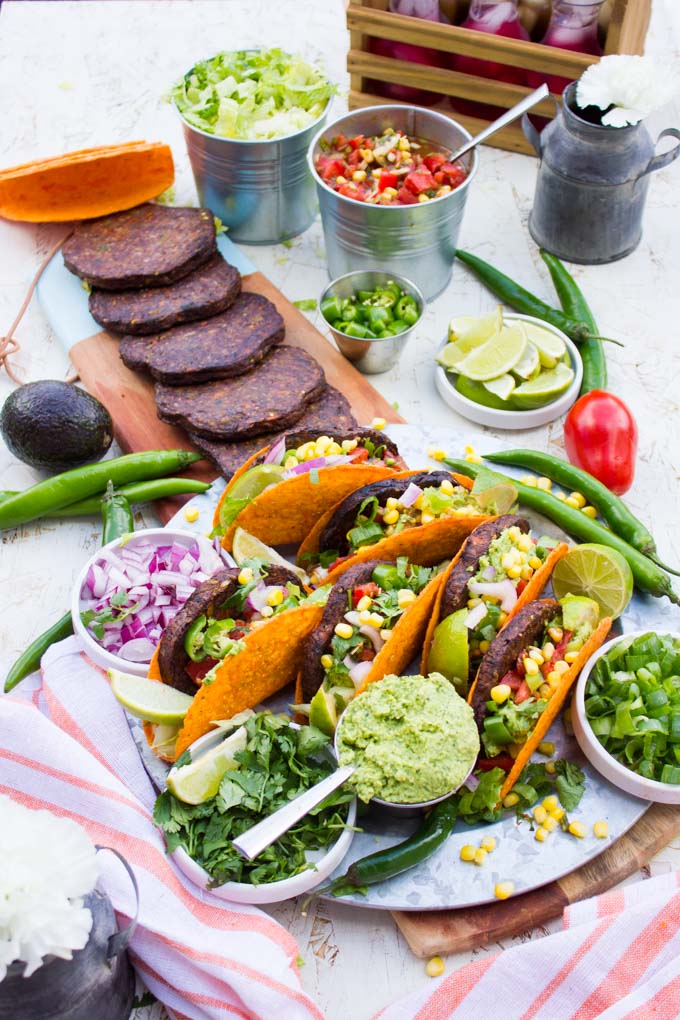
359, 454
356, 142
406, 197
419, 181
329, 167
600, 436
501, 761
434, 161
387, 180
559, 653
197, 670
455, 174
370, 588
522, 693
350, 191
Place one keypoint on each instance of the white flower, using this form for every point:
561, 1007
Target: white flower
48, 865
634, 86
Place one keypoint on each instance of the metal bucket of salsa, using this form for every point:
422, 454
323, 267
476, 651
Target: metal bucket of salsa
389, 197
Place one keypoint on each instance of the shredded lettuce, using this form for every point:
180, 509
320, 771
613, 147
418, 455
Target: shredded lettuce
252, 94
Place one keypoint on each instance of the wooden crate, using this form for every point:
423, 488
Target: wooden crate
371, 18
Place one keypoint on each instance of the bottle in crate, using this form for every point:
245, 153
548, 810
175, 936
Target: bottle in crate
496, 17
428, 10
573, 26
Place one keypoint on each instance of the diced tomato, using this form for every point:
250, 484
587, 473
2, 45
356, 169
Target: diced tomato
361, 453
339, 142
434, 161
455, 174
356, 142
522, 693
197, 670
559, 653
329, 167
367, 654
521, 585
350, 191
355, 157
370, 588
387, 180
406, 197
419, 181
513, 679
501, 761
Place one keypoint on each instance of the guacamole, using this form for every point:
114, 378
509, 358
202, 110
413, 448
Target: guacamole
411, 738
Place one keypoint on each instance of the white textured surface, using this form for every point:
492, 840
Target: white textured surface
76, 74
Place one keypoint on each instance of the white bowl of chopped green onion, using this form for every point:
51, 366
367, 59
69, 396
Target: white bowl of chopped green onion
626, 714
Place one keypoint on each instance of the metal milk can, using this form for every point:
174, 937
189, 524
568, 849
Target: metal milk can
592, 184
96, 984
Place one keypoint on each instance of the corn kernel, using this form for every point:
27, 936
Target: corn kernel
390, 516
526, 573
467, 852
535, 562
446, 487
365, 616
473, 458
545, 690
267, 611
537, 655
377, 172
500, 693
359, 175
561, 666
426, 518
405, 597
391, 503
388, 194
550, 803
548, 651
547, 748
502, 618
480, 857
540, 814
377, 621
367, 155
558, 812
571, 502
245, 576
541, 834
554, 677
511, 800
365, 602
524, 543
191, 514
503, 890
488, 844
326, 661
290, 462
323, 442
473, 602
484, 646
349, 445
556, 633
571, 657
418, 504
340, 179
379, 423
386, 635
275, 597
578, 498
435, 966
404, 143
514, 572
544, 483
529, 480
560, 496
601, 830
531, 668
443, 190
577, 829
344, 630
508, 559
436, 453
550, 768
550, 824
589, 511
423, 197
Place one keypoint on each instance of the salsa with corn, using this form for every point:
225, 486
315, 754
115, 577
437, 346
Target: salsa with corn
387, 169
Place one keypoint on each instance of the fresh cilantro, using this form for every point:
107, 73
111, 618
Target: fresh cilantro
184, 759
374, 450
481, 804
570, 784
118, 609
230, 509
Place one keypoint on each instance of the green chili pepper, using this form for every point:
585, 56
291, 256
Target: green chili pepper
648, 576
575, 306
136, 492
512, 294
117, 515
193, 640
615, 512
386, 576
216, 640
331, 309
70, 486
407, 309
398, 326
496, 731
378, 316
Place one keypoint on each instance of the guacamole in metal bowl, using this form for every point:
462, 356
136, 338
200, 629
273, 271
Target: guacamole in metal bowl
412, 739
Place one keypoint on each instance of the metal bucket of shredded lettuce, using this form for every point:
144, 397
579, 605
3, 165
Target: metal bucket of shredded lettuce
248, 118
412, 739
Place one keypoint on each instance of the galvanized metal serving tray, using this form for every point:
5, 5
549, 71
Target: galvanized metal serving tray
444, 881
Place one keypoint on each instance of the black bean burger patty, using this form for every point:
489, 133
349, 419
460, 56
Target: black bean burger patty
455, 592
206, 291
276, 392
523, 630
223, 346
148, 246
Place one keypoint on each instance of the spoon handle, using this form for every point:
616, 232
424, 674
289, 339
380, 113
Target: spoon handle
542, 92
264, 833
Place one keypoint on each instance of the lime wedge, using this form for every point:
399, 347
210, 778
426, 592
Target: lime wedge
501, 387
322, 712
451, 356
544, 388
597, 572
449, 652
470, 331
529, 364
493, 493
549, 346
478, 392
497, 356
247, 547
254, 481
200, 780
148, 699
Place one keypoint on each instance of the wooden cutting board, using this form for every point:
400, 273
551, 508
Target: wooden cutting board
438, 932
128, 396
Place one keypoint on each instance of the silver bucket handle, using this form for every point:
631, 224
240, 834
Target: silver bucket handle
120, 940
532, 135
663, 158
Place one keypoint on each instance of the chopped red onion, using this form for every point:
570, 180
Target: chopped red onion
257, 598
373, 636
353, 617
475, 616
410, 494
489, 573
318, 462
275, 453
503, 590
359, 672
138, 650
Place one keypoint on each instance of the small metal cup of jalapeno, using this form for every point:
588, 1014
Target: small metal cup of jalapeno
371, 316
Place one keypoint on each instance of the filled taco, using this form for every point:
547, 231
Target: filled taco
423, 515
281, 491
499, 569
525, 676
373, 624
236, 641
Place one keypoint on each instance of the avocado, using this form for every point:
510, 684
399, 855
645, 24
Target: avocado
578, 610
55, 425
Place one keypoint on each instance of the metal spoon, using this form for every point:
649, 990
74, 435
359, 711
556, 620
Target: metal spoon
542, 92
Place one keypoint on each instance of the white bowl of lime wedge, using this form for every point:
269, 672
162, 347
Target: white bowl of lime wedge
508, 371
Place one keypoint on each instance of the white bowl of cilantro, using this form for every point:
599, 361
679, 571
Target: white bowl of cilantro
248, 117
626, 714
232, 799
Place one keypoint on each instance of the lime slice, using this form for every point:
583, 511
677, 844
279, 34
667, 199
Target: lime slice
247, 547
451, 356
148, 699
449, 652
200, 780
252, 482
549, 346
493, 493
597, 572
322, 712
470, 331
479, 394
497, 356
544, 388
529, 364
501, 387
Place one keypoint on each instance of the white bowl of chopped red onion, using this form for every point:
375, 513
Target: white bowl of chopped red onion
129, 591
